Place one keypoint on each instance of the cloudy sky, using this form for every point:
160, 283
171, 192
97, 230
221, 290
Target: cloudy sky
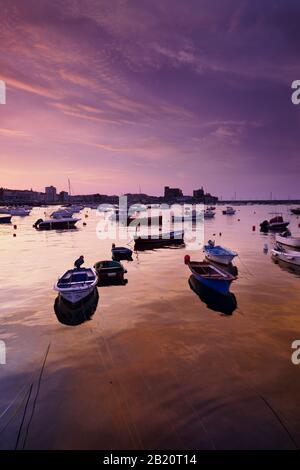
117, 94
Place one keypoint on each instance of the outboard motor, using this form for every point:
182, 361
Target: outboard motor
37, 223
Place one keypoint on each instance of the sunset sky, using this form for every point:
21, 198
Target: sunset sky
115, 94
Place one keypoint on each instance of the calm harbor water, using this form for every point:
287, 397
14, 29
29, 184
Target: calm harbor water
158, 365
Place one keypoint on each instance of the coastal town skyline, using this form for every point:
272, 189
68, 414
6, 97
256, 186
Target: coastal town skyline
116, 95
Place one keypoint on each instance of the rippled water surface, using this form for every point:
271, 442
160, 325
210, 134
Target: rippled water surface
157, 365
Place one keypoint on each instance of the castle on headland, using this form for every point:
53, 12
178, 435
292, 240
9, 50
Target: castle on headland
51, 196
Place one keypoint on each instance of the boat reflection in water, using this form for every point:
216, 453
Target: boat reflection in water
217, 302
75, 314
291, 268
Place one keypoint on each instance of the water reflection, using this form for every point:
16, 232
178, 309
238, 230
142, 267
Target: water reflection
73, 315
288, 267
214, 301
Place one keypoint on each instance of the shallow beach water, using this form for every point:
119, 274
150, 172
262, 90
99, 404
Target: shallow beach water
154, 367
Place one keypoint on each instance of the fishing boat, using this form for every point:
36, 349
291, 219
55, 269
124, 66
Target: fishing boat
276, 224
285, 238
76, 284
289, 256
56, 224
296, 211
229, 211
163, 239
4, 210
218, 254
210, 275
121, 252
5, 219
110, 270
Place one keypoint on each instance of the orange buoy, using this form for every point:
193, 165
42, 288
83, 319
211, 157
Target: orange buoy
15, 227
86, 216
84, 223
239, 220
220, 234
253, 228
14, 234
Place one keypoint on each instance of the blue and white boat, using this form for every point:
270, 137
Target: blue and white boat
76, 284
210, 275
218, 254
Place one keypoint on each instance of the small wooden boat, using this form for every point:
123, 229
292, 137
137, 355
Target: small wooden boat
229, 211
218, 253
289, 256
163, 239
210, 275
286, 238
5, 219
56, 224
110, 270
296, 211
276, 224
76, 284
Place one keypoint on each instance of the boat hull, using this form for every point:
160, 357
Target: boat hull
56, 224
288, 241
5, 219
288, 257
221, 286
75, 296
220, 259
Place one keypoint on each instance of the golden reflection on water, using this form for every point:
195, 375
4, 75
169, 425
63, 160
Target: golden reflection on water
154, 366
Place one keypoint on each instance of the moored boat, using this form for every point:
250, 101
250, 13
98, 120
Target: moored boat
285, 238
289, 256
163, 239
19, 211
76, 284
218, 254
296, 211
229, 211
276, 224
210, 275
110, 270
56, 224
121, 252
209, 214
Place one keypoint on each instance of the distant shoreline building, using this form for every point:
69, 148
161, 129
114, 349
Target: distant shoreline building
50, 194
171, 193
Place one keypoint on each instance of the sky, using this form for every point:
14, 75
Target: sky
119, 95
